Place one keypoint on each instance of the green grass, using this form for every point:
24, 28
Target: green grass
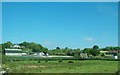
79, 66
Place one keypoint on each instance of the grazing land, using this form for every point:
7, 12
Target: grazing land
78, 66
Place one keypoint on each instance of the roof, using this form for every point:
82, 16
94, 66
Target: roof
16, 46
103, 51
13, 49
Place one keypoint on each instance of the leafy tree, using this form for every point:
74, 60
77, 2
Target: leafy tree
91, 51
115, 54
44, 50
109, 48
117, 48
35, 47
77, 52
87, 50
71, 53
94, 52
95, 47
102, 54
7, 45
58, 48
66, 48
26, 50
25, 44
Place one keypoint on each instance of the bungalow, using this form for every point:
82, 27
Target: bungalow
13, 52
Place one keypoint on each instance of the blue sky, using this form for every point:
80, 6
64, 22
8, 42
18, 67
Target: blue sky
63, 24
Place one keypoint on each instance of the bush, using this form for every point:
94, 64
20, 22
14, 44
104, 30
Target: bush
39, 62
46, 60
60, 60
4, 59
70, 61
30, 59
11, 60
102, 54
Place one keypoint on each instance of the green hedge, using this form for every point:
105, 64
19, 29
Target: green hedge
20, 58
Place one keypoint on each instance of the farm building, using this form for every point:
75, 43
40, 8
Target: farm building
39, 54
17, 46
112, 54
83, 55
13, 52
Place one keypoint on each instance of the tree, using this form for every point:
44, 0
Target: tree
58, 48
71, 53
66, 48
117, 48
109, 48
45, 50
102, 54
25, 44
7, 45
95, 47
94, 52
115, 54
87, 50
77, 52
35, 47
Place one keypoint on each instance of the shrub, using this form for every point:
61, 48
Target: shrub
11, 60
102, 54
30, 59
39, 62
46, 60
60, 60
70, 61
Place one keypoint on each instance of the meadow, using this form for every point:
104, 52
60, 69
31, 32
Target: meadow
78, 66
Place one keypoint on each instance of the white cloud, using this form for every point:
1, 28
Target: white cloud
88, 39
107, 9
48, 44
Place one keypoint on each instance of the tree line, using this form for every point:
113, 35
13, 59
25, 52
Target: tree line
31, 47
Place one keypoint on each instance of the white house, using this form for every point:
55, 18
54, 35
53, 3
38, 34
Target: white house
17, 46
112, 54
83, 55
23, 53
116, 57
39, 54
13, 52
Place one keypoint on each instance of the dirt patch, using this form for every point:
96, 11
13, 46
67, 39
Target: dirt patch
31, 66
34, 66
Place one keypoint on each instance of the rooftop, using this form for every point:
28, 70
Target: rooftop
13, 49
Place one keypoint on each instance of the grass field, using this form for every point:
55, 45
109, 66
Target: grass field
78, 66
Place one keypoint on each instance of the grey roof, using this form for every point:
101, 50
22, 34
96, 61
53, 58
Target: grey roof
13, 49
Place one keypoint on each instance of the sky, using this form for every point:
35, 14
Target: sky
61, 24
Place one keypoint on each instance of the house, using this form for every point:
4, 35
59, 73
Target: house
24, 54
84, 55
104, 52
112, 54
40, 54
17, 46
13, 52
